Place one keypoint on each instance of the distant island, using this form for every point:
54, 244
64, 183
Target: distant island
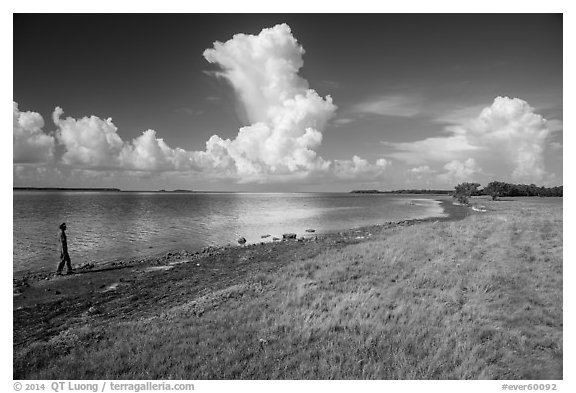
401, 192
65, 189
176, 191
95, 189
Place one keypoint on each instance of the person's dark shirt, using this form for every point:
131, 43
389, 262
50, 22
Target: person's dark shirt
62, 242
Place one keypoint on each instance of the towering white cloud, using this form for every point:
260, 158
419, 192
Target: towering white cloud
31, 144
286, 116
263, 69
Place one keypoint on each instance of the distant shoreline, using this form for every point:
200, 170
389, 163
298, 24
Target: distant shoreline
59, 189
97, 189
65, 189
411, 192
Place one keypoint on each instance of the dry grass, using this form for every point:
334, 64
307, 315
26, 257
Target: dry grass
477, 298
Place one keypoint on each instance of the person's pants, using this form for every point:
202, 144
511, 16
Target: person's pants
64, 259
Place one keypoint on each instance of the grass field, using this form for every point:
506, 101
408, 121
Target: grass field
479, 298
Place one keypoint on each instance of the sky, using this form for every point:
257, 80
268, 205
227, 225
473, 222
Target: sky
286, 102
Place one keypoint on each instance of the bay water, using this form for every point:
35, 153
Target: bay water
108, 226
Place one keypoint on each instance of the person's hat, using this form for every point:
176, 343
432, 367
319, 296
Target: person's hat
62, 226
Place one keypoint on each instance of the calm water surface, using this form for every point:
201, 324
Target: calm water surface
106, 226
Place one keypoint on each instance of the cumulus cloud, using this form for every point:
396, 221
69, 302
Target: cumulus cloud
91, 142
508, 134
358, 168
511, 127
149, 153
458, 171
31, 144
286, 116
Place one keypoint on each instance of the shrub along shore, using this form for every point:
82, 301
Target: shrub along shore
476, 297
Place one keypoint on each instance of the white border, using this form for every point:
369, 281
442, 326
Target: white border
308, 6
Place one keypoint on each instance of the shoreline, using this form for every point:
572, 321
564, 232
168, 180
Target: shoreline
449, 212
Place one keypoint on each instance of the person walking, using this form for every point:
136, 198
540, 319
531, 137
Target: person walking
63, 247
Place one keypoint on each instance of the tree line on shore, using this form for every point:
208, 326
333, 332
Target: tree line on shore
498, 189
